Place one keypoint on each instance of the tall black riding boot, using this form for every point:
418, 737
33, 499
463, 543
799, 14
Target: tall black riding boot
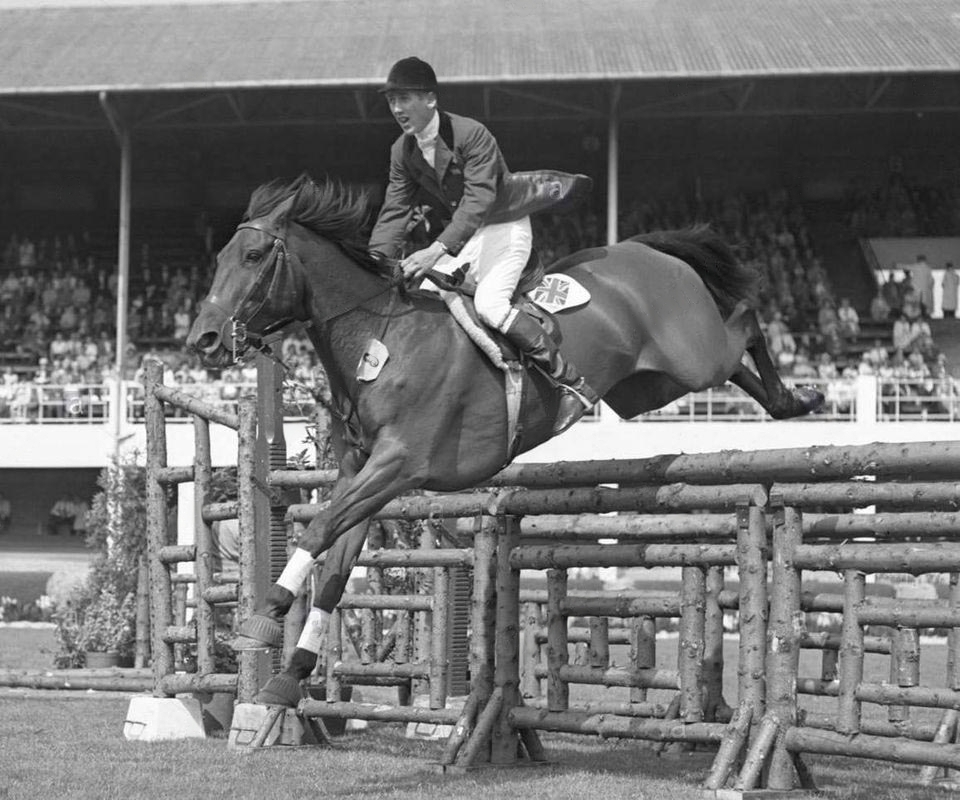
577, 396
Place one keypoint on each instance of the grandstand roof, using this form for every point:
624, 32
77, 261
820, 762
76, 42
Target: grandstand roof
121, 47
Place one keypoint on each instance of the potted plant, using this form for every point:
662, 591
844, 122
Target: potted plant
105, 628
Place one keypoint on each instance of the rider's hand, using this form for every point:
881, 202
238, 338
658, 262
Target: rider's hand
418, 264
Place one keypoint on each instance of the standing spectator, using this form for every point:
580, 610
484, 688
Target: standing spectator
922, 277
901, 334
951, 283
910, 299
849, 319
891, 293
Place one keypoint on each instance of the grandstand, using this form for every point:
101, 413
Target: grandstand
809, 132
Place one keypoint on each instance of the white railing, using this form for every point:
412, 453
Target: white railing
886, 400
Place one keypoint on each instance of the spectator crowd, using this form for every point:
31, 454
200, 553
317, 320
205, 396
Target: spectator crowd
58, 298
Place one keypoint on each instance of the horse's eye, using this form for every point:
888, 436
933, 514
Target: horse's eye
252, 256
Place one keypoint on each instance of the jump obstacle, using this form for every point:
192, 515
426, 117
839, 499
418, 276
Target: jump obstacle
771, 514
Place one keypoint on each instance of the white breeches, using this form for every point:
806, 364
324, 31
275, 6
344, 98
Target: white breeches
497, 255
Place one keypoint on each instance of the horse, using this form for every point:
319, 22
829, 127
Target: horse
669, 313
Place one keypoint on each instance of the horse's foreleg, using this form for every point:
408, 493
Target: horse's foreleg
284, 689
355, 498
767, 388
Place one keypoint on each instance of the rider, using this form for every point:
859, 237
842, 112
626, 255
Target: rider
457, 163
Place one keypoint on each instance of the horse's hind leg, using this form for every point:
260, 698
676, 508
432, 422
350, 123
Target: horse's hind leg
767, 388
284, 689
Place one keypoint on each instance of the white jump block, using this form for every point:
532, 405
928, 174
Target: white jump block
429, 730
249, 717
154, 719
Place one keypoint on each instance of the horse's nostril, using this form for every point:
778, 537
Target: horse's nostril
207, 341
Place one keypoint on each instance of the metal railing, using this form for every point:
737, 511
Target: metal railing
897, 400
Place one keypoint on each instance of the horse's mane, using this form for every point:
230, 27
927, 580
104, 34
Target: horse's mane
337, 212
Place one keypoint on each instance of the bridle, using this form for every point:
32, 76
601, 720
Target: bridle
275, 277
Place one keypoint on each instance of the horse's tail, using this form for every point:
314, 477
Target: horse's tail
726, 278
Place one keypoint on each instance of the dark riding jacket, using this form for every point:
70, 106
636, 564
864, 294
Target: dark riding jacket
469, 186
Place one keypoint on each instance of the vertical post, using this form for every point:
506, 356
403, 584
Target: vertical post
161, 601
713, 644
643, 651
783, 640
334, 654
483, 611
953, 638
531, 650
503, 748
851, 653
142, 652
558, 692
123, 272
439, 658
254, 577
752, 562
423, 624
613, 166
690, 651
898, 712
271, 453
203, 568
598, 655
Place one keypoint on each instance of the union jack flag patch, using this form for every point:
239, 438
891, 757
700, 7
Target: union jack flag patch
559, 292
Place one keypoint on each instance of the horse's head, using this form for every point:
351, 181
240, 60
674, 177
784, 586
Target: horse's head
257, 289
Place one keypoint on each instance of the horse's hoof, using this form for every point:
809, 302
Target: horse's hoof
808, 399
257, 633
280, 690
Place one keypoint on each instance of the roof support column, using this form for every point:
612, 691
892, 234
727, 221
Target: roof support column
122, 132
613, 165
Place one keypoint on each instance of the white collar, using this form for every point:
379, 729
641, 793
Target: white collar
430, 131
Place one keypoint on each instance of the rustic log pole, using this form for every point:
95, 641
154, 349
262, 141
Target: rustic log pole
713, 646
752, 562
900, 751
598, 655
503, 748
643, 652
946, 731
691, 644
851, 653
439, 657
783, 640
730, 748
953, 636
461, 731
828, 665
142, 644
334, 654
819, 463
757, 753
624, 555
530, 684
911, 558
558, 655
909, 666
672, 713
483, 609
254, 666
203, 568
401, 653
479, 742
161, 600
422, 619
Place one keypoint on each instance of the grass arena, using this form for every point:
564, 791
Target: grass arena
555, 680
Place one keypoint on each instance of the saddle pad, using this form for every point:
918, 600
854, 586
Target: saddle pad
559, 292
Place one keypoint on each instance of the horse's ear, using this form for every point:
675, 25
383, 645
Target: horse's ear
280, 216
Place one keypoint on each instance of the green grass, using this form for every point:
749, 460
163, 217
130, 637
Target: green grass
70, 745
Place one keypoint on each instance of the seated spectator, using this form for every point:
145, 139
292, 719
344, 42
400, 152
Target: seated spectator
902, 337
876, 356
879, 307
910, 299
921, 337
849, 320
802, 368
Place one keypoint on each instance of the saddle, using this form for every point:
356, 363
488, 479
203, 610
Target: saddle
530, 278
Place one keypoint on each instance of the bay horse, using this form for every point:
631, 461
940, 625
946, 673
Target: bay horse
670, 313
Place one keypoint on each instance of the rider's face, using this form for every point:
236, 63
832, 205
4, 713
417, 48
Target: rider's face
411, 109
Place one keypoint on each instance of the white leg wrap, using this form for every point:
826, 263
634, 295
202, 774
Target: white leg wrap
296, 571
313, 630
